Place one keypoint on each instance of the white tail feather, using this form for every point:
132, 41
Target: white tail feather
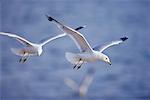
17, 51
72, 58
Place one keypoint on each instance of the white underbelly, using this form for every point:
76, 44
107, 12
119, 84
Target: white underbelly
88, 57
31, 51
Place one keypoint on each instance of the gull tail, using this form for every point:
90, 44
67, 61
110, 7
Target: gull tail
72, 58
18, 52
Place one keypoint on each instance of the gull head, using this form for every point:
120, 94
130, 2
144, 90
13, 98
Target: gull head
105, 58
40, 50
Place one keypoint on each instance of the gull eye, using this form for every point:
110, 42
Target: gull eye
106, 58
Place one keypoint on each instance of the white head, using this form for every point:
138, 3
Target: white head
40, 50
105, 58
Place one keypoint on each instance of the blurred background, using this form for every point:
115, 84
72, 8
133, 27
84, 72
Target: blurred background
41, 78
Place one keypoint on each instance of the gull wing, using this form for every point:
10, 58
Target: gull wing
78, 38
49, 39
20, 39
72, 84
113, 43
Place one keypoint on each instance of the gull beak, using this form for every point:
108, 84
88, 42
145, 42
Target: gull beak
109, 62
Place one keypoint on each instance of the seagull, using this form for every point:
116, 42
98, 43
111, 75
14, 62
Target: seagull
87, 53
31, 49
84, 85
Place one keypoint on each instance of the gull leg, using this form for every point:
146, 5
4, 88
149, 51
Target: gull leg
80, 65
77, 63
74, 66
26, 57
20, 60
24, 60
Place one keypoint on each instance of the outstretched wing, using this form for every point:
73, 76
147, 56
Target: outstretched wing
20, 39
72, 84
78, 38
113, 43
49, 39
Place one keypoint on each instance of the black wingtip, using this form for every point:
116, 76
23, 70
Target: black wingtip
124, 38
49, 18
78, 28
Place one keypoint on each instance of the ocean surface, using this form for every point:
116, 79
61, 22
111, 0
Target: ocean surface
42, 78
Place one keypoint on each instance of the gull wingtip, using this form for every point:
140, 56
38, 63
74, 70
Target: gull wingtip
78, 28
124, 38
49, 17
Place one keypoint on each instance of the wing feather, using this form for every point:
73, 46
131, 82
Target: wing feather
113, 43
49, 39
18, 38
78, 38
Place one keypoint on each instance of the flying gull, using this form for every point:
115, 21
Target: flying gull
87, 53
31, 49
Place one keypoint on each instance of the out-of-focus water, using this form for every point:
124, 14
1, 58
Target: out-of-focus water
41, 78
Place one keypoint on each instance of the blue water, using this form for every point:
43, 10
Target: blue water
41, 78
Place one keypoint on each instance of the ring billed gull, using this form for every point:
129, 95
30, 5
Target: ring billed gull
82, 88
87, 54
31, 49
